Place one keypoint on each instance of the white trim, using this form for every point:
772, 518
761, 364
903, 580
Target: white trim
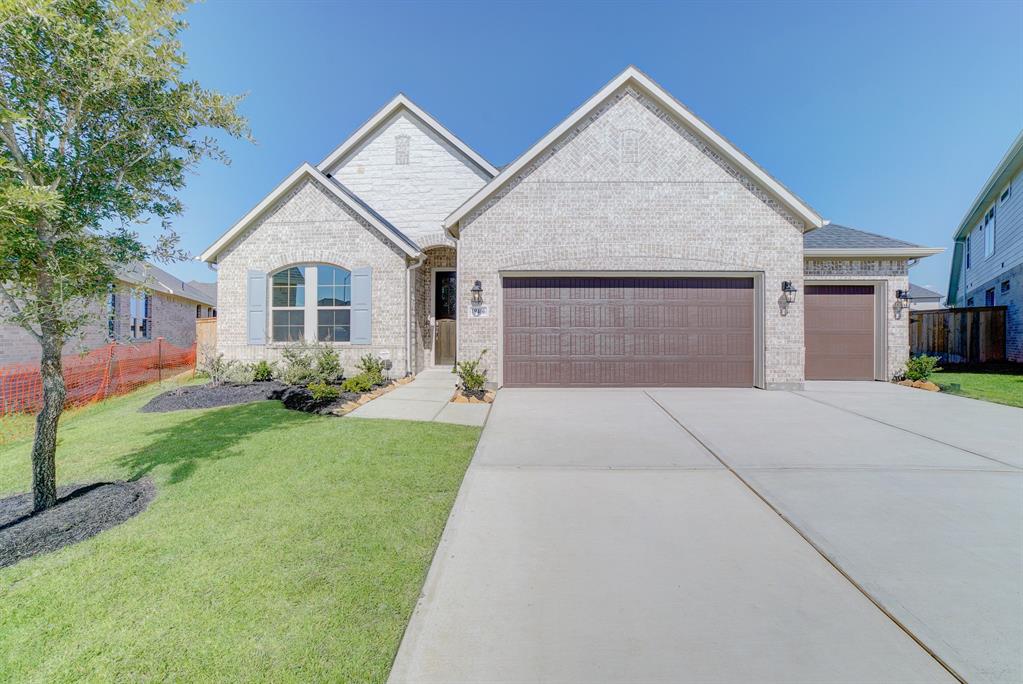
303, 171
880, 319
400, 101
635, 76
759, 306
433, 303
896, 252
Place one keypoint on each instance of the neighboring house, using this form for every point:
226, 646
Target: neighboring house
632, 245
923, 299
987, 265
148, 303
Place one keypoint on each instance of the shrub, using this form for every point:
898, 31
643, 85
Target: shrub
321, 391
358, 383
240, 373
213, 365
374, 367
328, 365
264, 371
298, 364
921, 367
471, 375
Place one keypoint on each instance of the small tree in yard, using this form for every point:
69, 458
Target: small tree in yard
97, 131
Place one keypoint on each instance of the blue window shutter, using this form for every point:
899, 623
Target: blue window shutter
362, 305
257, 307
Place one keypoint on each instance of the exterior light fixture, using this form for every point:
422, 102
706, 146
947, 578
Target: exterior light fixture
901, 302
789, 291
477, 294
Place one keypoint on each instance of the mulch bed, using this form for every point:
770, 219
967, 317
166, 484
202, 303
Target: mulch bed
301, 399
210, 396
82, 511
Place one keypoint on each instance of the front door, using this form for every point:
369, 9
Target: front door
444, 313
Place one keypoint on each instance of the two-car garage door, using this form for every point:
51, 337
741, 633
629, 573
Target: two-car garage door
640, 332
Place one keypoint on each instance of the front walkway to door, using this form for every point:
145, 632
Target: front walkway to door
427, 398
729, 535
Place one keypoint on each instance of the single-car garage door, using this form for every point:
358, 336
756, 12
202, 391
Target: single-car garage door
839, 332
617, 332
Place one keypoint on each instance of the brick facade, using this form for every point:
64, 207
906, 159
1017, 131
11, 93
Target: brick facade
583, 207
1012, 299
310, 225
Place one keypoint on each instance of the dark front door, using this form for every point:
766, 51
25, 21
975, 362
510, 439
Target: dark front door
839, 330
641, 332
445, 311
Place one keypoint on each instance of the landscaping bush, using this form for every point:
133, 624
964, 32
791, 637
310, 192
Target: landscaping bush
358, 383
214, 366
240, 373
298, 364
263, 371
374, 367
471, 375
321, 391
328, 365
921, 367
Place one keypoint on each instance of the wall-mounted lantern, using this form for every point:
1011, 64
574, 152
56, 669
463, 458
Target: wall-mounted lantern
901, 302
788, 290
477, 294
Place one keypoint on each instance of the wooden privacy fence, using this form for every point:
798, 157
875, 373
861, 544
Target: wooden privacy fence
206, 333
104, 372
973, 334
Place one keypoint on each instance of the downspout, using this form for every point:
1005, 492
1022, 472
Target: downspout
420, 260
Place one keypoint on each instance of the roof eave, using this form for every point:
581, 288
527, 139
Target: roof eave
898, 252
1010, 163
810, 217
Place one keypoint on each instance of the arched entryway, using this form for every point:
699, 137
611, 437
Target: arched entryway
437, 308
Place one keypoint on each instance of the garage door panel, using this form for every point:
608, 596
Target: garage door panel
839, 324
629, 332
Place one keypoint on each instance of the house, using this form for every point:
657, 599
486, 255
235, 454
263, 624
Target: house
987, 264
148, 303
923, 299
631, 245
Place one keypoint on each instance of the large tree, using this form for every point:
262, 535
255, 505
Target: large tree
98, 129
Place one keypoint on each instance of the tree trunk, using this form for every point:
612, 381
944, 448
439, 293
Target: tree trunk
44, 448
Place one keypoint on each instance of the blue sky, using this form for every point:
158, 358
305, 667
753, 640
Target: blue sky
883, 116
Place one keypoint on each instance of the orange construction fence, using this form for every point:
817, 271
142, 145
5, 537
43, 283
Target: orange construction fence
103, 372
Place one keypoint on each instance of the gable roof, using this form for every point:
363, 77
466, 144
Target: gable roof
400, 102
921, 292
209, 288
154, 277
634, 76
835, 240
331, 185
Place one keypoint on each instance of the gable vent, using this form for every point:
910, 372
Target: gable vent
401, 150
630, 146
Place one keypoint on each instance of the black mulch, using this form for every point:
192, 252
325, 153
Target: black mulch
82, 511
301, 399
209, 396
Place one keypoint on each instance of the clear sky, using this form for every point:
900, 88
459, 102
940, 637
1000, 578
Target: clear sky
883, 116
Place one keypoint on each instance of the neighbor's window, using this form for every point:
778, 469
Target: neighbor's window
401, 150
198, 310
141, 308
111, 313
969, 240
333, 304
287, 304
323, 318
1005, 286
989, 297
1007, 194
989, 233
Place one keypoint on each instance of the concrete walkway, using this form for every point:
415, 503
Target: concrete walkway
727, 536
426, 398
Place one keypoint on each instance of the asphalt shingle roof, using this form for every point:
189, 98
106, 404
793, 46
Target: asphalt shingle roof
834, 236
921, 292
153, 276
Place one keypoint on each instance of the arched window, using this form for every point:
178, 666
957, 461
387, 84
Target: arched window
324, 318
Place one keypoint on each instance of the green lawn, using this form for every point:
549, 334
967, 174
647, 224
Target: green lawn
1001, 388
280, 547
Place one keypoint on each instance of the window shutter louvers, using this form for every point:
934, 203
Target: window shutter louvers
362, 309
257, 307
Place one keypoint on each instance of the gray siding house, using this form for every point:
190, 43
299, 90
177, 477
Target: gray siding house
631, 245
987, 265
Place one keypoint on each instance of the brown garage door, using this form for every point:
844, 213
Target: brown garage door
839, 332
640, 332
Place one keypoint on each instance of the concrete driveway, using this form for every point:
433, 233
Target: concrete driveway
847, 533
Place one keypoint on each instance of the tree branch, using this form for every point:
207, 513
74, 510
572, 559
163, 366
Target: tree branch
13, 304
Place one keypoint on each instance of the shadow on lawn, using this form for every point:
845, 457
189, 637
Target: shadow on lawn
209, 436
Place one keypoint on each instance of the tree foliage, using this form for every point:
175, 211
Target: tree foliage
98, 129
